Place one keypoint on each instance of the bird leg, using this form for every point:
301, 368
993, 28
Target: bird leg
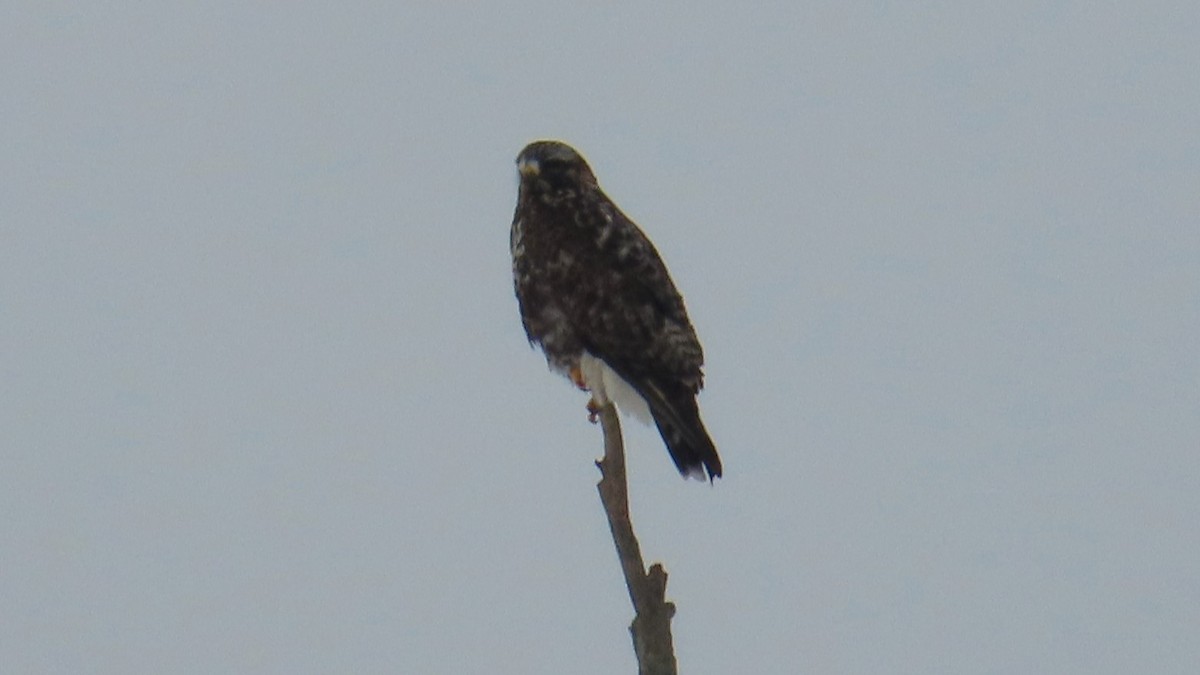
593, 408
576, 375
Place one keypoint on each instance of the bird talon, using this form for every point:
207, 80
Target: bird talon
576, 375
593, 409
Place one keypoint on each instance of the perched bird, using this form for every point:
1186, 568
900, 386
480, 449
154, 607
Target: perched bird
595, 295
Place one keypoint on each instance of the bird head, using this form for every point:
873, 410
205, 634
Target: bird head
553, 168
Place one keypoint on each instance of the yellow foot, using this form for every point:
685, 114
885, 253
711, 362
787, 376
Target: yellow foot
576, 376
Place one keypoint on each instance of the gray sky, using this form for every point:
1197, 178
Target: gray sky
266, 405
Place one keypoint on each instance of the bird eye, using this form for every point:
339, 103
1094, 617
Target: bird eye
554, 164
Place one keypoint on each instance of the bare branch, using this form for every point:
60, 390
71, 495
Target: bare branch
651, 627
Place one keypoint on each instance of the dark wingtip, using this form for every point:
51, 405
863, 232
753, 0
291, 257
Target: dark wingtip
677, 417
694, 454
714, 468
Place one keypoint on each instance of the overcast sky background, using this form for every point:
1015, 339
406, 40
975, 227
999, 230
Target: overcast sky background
266, 405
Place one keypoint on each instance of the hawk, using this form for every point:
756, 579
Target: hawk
596, 297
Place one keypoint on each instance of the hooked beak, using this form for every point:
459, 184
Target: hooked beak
527, 167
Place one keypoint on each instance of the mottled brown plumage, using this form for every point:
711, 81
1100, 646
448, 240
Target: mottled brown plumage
590, 284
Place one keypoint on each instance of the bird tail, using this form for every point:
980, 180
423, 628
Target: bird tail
677, 417
690, 447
